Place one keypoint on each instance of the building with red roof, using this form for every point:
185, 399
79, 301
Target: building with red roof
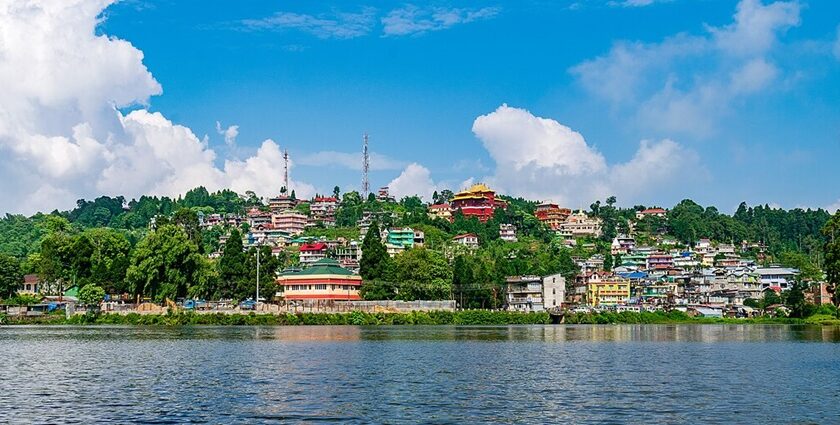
552, 215
477, 201
311, 253
655, 212
443, 211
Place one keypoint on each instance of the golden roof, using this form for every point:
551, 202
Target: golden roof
476, 191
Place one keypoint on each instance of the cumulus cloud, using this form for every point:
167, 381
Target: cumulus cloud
756, 27
351, 160
834, 208
342, 25
230, 133
543, 159
686, 83
263, 173
522, 141
412, 20
61, 136
414, 180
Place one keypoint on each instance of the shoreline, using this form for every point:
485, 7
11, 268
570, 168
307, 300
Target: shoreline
440, 318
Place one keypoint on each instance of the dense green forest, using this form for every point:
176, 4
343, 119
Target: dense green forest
108, 242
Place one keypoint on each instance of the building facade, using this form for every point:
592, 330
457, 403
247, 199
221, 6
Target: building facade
281, 203
311, 253
507, 233
442, 211
470, 240
325, 280
552, 215
289, 221
535, 293
323, 209
477, 201
580, 225
611, 291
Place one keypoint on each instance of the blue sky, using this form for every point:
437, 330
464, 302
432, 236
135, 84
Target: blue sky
735, 100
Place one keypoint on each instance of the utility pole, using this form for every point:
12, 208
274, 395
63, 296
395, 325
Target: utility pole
286, 170
365, 169
257, 300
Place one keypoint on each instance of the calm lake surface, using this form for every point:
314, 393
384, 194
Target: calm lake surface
519, 374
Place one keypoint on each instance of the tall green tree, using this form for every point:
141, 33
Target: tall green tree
462, 277
375, 260
11, 277
233, 268
91, 295
188, 220
794, 300
54, 266
164, 264
100, 256
421, 274
831, 231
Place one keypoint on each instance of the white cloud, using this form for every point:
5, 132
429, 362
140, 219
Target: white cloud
230, 133
263, 173
654, 167
834, 208
756, 27
414, 180
540, 158
351, 160
522, 140
61, 137
412, 20
340, 25
635, 3
685, 83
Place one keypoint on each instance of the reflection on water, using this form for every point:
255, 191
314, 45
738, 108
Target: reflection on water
535, 374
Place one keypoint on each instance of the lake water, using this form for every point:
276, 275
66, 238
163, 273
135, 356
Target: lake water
519, 374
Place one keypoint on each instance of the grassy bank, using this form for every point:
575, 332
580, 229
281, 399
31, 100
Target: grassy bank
671, 317
471, 317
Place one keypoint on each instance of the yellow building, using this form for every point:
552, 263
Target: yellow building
608, 292
443, 211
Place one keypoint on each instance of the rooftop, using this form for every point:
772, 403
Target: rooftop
320, 267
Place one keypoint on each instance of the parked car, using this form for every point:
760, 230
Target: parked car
248, 304
195, 304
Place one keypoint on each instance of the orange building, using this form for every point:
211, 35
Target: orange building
552, 215
324, 280
477, 201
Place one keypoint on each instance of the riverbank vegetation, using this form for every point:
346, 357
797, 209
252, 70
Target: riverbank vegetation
825, 315
466, 317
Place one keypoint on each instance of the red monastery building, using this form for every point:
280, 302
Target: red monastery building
477, 201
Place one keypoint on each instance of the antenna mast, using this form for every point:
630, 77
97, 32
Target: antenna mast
365, 168
286, 170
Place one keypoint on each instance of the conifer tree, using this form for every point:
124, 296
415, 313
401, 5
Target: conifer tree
374, 261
